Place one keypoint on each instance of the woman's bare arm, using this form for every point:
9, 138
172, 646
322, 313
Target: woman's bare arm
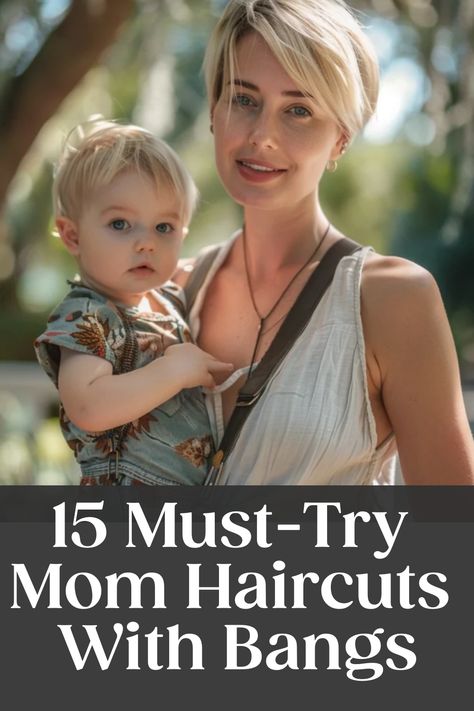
408, 335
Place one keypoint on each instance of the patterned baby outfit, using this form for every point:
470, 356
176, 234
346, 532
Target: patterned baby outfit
169, 445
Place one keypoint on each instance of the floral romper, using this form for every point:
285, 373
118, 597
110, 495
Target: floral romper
169, 445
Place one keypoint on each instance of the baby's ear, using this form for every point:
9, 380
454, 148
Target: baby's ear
69, 234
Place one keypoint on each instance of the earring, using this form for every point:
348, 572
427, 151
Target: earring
331, 166
344, 147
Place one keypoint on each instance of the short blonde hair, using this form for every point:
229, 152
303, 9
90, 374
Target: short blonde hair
319, 43
97, 151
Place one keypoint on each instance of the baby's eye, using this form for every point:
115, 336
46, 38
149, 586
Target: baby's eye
164, 227
120, 225
300, 111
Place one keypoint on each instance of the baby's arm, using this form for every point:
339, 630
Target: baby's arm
96, 400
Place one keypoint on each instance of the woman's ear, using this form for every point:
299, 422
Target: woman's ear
69, 234
341, 145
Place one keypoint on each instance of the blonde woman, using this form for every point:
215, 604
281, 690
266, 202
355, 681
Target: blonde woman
290, 83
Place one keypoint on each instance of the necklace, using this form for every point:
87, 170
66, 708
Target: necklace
262, 318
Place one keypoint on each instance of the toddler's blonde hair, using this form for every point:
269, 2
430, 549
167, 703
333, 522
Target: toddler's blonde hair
97, 151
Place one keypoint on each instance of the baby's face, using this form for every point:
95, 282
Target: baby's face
128, 237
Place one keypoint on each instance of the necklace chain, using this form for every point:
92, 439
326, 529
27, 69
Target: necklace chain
262, 318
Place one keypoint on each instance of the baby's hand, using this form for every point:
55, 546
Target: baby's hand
194, 366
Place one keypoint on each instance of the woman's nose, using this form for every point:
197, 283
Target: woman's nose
263, 131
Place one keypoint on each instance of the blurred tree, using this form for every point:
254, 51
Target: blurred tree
445, 50
160, 47
34, 92
433, 216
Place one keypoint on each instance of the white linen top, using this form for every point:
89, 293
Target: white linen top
314, 422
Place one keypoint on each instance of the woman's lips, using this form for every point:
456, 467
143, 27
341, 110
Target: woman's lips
258, 172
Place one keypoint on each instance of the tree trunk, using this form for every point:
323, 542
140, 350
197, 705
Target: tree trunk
71, 49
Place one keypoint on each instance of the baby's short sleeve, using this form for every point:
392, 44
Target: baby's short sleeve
85, 326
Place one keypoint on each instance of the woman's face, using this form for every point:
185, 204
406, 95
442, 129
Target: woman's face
272, 143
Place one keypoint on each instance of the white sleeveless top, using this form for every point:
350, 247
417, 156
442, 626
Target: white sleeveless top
314, 422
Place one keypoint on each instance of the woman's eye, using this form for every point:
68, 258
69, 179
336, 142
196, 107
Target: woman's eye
119, 225
300, 111
242, 100
164, 227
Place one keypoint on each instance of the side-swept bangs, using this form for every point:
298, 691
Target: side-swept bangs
319, 43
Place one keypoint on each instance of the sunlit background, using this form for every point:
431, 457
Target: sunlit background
406, 185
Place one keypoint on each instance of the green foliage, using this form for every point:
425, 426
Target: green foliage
420, 235
19, 329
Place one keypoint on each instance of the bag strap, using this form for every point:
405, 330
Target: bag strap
204, 261
294, 323
174, 294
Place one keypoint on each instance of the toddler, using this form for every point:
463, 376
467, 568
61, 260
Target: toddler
117, 347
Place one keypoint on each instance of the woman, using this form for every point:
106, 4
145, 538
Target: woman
290, 84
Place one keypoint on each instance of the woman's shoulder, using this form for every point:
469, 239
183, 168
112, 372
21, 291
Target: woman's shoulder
400, 302
209, 258
183, 271
394, 282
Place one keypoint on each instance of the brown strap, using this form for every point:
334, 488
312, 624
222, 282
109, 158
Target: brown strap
292, 326
203, 263
174, 293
